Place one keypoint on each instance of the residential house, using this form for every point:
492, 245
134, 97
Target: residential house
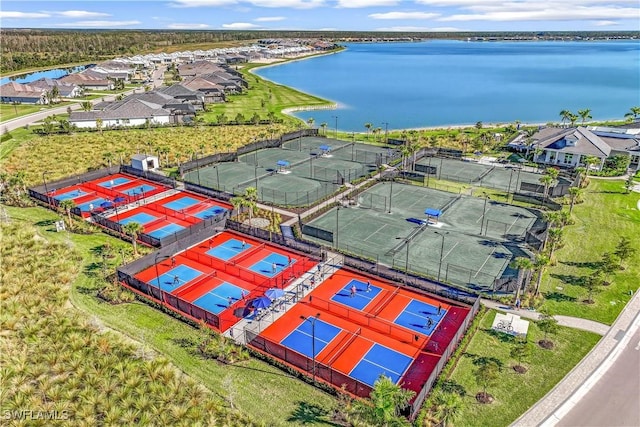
65, 90
23, 94
568, 147
213, 92
129, 112
88, 81
181, 92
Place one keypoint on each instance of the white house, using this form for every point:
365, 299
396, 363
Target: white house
130, 112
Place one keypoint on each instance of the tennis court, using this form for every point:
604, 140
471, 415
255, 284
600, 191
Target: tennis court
420, 316
141, 218
381, 360
229, 249
453, 248
220, 298
114, 182
271, 265
70, 195
175, 278
165, 230
92, 204
184, 202
356, 294
301, 338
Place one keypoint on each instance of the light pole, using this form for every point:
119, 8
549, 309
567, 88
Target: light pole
337, 225
311, 163
390, 194
441, 252
217, 178
46, 190
255, 174
155, 261
407, 240
386, 132
198, 167
484, 211
429, 171
313, 319
336, 117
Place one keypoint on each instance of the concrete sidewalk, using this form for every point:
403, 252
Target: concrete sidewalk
571, 322
552, 407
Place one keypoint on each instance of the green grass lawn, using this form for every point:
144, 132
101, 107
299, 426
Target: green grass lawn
9, 111
262, 97
515, 393
265, 393
607, 214
18, 136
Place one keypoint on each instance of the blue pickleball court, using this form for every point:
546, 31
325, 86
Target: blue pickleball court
141, 218
181, 203
165, 231
361, 299
301, 339
228, 249
209, 212
85, 207
381, 360
217, 299
176, 277
265, 266
140, 189
114, 182
70, 195
416, 315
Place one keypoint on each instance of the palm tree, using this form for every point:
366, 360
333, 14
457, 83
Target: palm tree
634, 113
546, 180
447, 407
99, 123
108, 157
540, 264
590, 160
574, 193
55, 94
67, 205
523, 265
86, 106
310, 122
565, 116
582, 173
573, 118
387, 400
133, 229
368, 126
585, 114
555, 236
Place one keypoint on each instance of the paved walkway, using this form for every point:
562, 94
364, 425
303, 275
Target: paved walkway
566, 394
571, 322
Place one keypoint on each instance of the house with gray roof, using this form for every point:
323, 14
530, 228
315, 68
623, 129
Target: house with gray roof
66, 90
181, 92
126, 113
22, 94
568, 147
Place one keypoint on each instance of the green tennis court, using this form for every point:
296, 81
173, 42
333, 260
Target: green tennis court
470, 257
313, 143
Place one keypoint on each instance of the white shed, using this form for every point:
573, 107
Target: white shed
144, 162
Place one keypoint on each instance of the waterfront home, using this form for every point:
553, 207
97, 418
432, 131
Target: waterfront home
568, 147
88, 81
181, 92
23, 94
213, 92
65, 90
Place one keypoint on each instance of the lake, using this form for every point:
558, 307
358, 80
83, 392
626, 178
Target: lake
36, 75
447, 82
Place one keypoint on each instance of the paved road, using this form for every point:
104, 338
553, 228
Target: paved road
615, 399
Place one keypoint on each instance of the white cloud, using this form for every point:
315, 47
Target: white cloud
202, 3
270, 19
559, 13
81, 14
404, 15
22, 15
354, 4
409, 29
188, 26
293, 4
605, 23
239, 26
98, 24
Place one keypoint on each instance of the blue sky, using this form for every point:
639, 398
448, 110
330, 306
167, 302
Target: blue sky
363, 15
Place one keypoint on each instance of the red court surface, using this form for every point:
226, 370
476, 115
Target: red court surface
119, 189
199, 283
382, 319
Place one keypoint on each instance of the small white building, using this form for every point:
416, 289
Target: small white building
144, 162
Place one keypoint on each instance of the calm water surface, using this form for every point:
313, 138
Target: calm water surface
51, 74
438, 83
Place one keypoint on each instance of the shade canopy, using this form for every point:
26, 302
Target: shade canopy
282, 163
325, 147
119, 199
433, 212
274, 293
261, 302
106, 205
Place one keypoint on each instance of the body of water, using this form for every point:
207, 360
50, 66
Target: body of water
446, 82
51, 74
